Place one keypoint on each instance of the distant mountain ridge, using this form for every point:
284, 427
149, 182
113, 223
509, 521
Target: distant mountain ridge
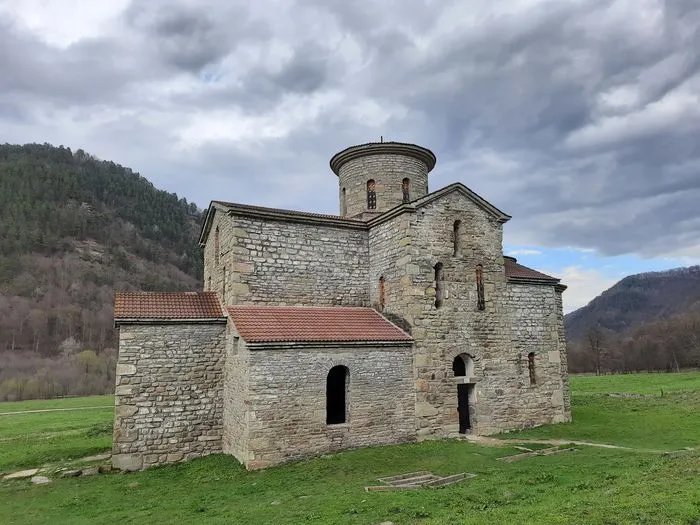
636, 300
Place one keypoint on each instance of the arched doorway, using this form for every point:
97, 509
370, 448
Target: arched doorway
463, 368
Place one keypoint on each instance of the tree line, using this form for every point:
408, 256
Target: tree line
667, 344
74, 229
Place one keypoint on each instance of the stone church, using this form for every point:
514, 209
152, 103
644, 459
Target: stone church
397, 320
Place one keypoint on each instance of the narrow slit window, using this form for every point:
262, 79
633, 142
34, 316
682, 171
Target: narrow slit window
371, 195
382, 293
209, 284
531, 368
439, 285
223, 283
457, 238
406, 189
336, 395
343, 203
216, 246
480, 300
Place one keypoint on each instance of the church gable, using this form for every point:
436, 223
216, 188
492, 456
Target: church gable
460, 189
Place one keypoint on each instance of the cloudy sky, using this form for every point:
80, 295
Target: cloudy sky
580, 118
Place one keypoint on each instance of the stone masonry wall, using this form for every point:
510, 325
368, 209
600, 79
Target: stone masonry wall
405, 251
535, 312
287, 413
236, 399
387, 170
169, 393
458, 326
272, 262
564, 365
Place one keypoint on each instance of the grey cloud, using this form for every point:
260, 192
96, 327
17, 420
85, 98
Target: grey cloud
519, 87
185, 37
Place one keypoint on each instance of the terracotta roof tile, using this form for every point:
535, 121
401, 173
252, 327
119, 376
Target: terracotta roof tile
258, 324
518, 271
167, 305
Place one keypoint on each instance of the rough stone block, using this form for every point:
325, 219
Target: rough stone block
127, 462
125, 369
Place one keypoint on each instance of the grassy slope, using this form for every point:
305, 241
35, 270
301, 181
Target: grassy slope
587, 486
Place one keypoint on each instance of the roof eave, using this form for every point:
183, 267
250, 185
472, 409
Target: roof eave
206, 227
281, 215
534, 280
169, 320
290, 345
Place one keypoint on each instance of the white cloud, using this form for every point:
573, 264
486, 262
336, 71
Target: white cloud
584, 285
523, 251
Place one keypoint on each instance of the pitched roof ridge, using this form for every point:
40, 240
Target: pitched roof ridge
310, 307
254, 207
515, 270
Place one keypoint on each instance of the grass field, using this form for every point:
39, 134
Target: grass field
35, 438
590, 485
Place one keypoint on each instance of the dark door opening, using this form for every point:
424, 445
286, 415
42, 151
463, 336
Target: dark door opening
463, 394
336, 407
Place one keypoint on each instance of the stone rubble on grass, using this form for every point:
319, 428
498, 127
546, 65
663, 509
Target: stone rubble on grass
22, 474
91, 471
40, 480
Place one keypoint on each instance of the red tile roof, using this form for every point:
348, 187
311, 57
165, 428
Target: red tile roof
518, 271
167, 305
258, 324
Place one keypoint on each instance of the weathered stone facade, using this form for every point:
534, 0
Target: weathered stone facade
388, 165
286, 413
433, 266
286, 260
169, 393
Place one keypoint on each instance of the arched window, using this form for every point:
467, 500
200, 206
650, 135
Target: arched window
531, 368
343, 203
439, 285
457, 238
480, 300
371, 195
216, 245
382, 293
406, 189
463, 365
336, 395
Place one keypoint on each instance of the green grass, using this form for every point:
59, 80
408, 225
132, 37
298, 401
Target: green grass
635, 383
589, 485
33, 439
666, 423
66, 402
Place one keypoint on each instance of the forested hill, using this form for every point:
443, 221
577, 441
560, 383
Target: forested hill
648, 321
637, 299
72, 230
